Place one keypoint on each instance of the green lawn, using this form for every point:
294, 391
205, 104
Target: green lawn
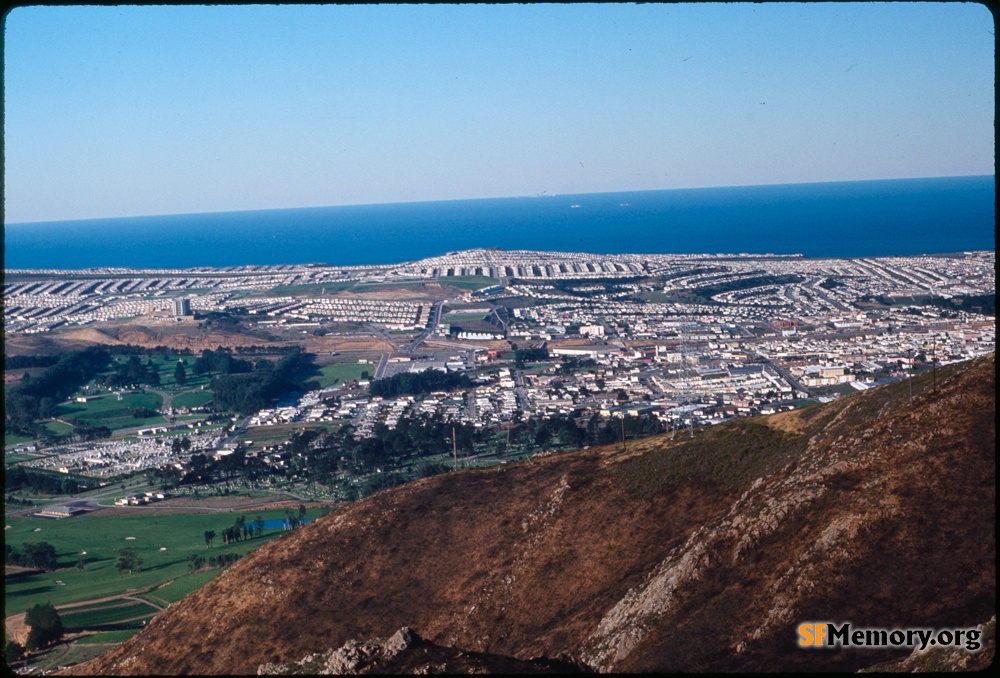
191, 399
400, 284
470, 282
9, 440
104, 604
340, 373
57, 427
167, 364
175, 589
658, 297
89, 618
312, 290
108, 410
101, 535
460, 318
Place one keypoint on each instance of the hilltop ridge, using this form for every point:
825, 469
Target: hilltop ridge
693, 552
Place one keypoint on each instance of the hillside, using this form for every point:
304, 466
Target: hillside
698, 553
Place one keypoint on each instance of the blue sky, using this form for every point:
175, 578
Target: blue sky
133, 110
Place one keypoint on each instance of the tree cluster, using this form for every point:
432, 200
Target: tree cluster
133, 371
133, 349
418, 383
566, 431
164, 476
40, 482
45, 624
240, 530
294, 519
35, 398
128, 560
17, 501
196, 562
982, 303
40, 556
572, 364
249, 392
413, 437
528, 355
206, 469
86, 432
17, 362
221, 362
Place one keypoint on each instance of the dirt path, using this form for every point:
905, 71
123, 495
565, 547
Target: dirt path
17, 630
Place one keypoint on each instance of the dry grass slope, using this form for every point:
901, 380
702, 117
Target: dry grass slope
699, 553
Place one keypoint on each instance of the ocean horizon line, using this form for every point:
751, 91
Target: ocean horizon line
543, 194
884, 217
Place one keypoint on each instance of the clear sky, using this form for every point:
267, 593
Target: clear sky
141, 110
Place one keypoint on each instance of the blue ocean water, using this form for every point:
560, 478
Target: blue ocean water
843, 219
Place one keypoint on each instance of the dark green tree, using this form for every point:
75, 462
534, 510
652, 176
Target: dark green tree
41, 555
153, 373
12, 652
46, 627
209, 536
128, 559
180, 374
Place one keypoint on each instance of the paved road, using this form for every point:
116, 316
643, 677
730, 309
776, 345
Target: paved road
522, 397
785, 375
240, 428
380, 370
434, 318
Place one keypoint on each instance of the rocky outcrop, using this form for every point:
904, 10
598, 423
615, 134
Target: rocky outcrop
406, 653
853, 493
946, 659
351, 659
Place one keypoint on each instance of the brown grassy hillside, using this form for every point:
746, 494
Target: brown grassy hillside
699, 553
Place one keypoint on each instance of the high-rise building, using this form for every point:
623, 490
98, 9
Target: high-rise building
182, 307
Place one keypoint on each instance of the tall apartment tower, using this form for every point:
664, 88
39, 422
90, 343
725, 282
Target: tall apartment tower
182, 307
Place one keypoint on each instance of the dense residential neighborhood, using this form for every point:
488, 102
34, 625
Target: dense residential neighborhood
681, 340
